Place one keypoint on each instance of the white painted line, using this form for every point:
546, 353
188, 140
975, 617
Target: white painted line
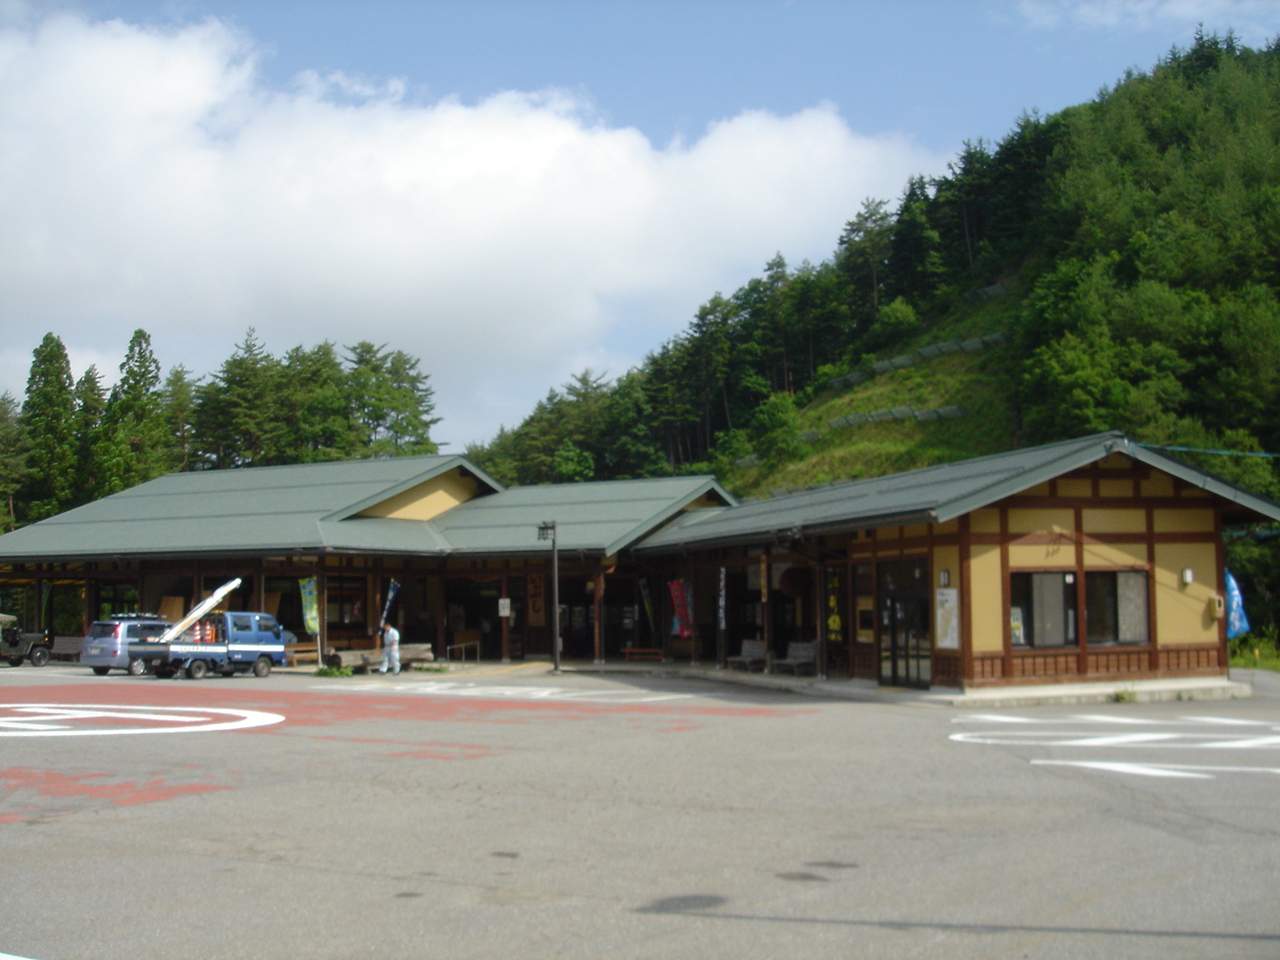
1193, 771
1250, 744
992, 718
1119, 740
1137, 769
10, 956
81, 720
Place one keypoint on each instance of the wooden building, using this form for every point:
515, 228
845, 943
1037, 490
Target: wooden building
1090, 559
1095, 558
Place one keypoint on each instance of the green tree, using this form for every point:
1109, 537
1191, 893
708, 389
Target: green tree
134, 415
48, 420
392, 401
178, 410
316, 408
14, 449
236, 416
775, 429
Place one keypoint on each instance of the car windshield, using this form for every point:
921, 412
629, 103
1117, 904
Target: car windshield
102, 630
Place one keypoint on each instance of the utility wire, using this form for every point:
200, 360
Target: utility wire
1223, 453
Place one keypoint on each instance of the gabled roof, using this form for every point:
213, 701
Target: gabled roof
934, 494
251, 510
315, 508
603, 517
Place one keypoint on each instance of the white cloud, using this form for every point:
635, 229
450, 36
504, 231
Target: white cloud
149, 178
1254, 21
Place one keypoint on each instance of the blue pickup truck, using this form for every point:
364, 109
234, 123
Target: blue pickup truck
225, 643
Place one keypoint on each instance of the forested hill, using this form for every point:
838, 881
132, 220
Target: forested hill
1128, 249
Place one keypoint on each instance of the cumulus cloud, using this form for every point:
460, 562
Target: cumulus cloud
151, 178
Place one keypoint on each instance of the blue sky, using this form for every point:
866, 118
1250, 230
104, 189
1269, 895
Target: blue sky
511, 191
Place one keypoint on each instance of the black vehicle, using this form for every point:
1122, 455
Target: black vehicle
16, 646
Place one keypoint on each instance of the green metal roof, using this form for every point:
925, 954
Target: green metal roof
254, 510
934, 494
604, 517
313, 508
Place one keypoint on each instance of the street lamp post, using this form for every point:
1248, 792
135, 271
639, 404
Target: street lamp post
547, 531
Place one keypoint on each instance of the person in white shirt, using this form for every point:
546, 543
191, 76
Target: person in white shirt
390, 649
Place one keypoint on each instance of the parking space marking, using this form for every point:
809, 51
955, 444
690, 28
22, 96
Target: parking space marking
1195, 733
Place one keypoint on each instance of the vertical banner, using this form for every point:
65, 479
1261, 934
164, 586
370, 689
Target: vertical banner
1237, 621
722, 620
681, 622
835, 625
310, 605
648, 607
536, 600
391, 598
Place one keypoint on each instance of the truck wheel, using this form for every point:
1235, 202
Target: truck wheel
262, 667
102, 671
14, 661
197, 669
137, 667
39, 656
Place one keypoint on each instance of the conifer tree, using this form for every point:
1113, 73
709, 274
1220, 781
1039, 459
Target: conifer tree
48, 419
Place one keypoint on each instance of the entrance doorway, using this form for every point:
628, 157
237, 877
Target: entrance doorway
906, 649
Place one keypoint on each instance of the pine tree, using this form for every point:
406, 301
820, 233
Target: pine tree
48, 419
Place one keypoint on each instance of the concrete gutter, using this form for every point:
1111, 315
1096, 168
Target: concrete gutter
1135, 691
869, 691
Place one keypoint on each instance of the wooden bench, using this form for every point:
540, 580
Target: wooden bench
369, 659
641, 653
753, 653
801, 655
296, 653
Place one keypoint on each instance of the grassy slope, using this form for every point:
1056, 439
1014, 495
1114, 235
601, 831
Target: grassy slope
981, 383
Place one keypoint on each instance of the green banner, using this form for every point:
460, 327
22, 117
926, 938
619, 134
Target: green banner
310, 606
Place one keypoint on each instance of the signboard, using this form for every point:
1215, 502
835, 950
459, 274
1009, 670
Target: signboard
947, 601
504, 606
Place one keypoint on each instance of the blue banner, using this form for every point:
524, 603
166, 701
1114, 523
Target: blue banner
386, 607
1237, 622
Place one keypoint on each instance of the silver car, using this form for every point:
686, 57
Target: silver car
107, 644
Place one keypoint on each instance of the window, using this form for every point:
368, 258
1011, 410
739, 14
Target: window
1043, 608
1116, 606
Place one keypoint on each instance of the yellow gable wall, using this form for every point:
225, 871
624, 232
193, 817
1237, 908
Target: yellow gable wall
1184, 611
427, 500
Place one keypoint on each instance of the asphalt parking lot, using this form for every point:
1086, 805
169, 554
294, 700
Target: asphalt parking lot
518, 813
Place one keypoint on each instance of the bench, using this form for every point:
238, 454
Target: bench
753, 653
801, 654
296, 653
367, 659
641, 653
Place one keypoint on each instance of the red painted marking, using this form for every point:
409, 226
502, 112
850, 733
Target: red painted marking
89, 786
312, 708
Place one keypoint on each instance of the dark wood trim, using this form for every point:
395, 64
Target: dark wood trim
1033, 539
1006, 628
1082, 632
966, 603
